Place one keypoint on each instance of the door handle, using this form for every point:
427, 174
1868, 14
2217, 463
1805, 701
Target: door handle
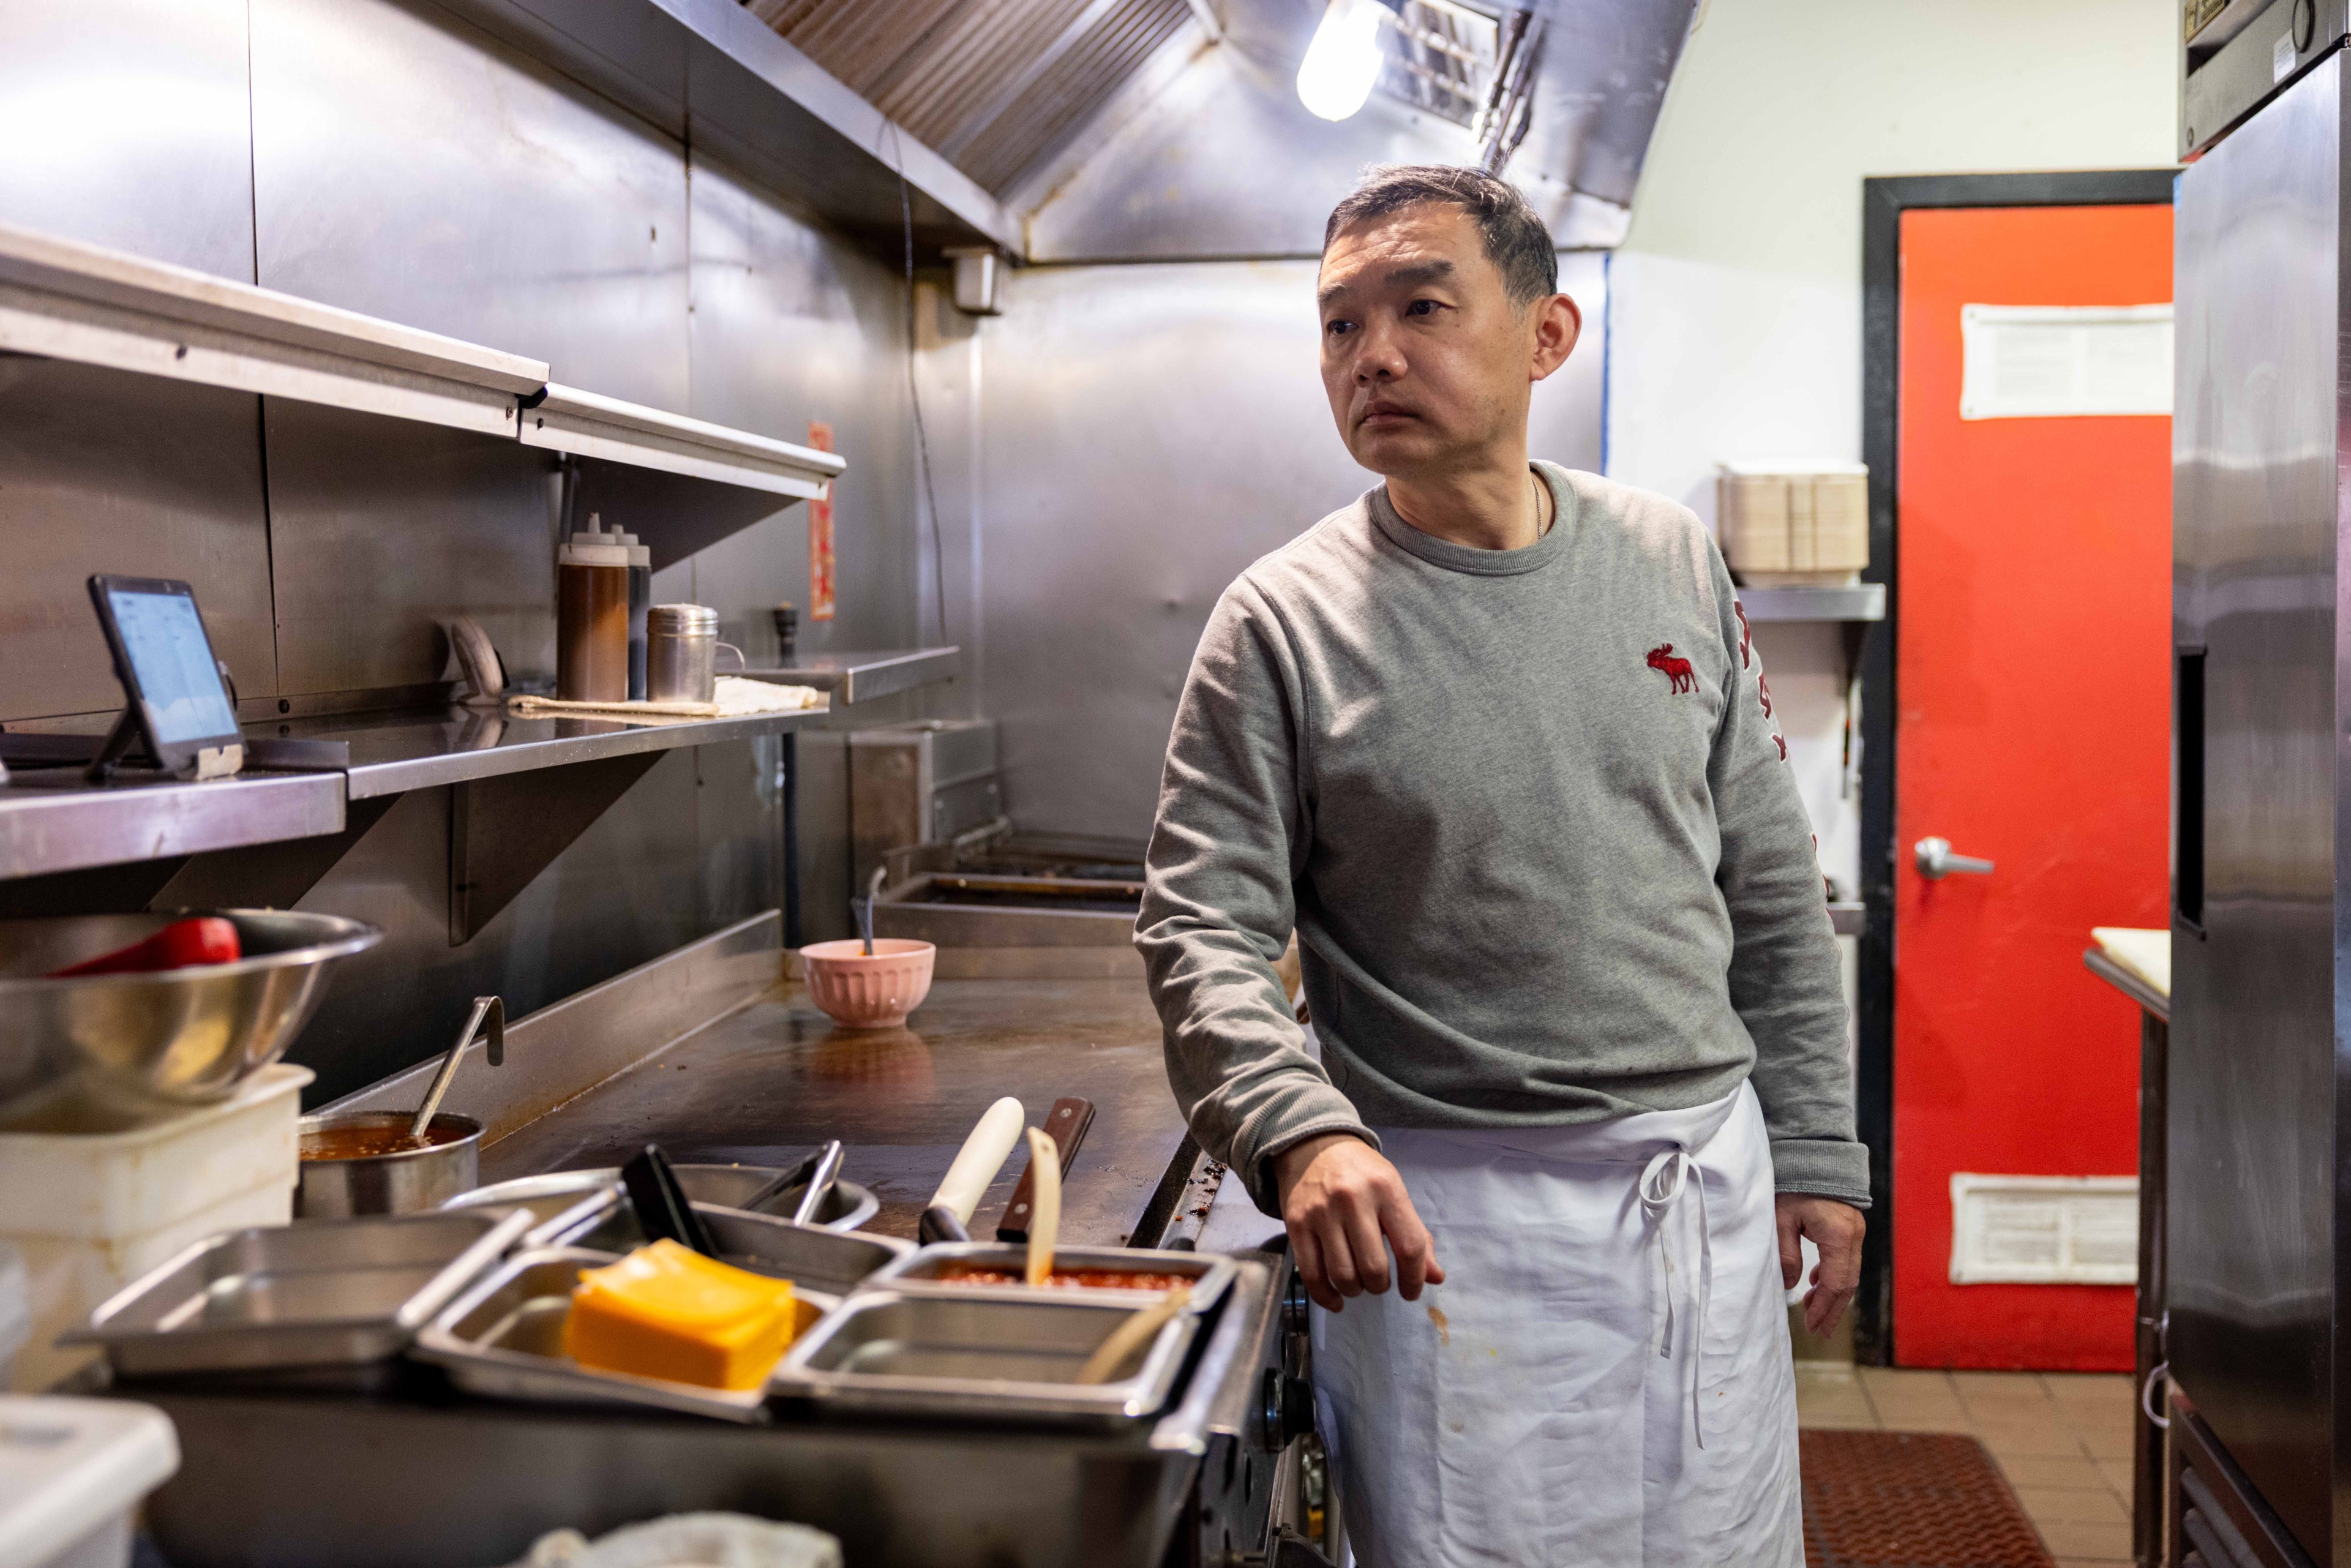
1936, 861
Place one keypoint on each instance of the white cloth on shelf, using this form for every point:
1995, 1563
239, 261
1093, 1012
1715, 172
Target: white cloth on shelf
1604, 1377
737, 697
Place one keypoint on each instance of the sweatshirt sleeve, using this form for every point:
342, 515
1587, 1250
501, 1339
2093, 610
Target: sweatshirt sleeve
1784, 976
1218, 908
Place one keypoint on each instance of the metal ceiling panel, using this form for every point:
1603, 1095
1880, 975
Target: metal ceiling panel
1222, 161
996, 86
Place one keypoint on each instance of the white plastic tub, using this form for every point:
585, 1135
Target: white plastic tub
72, 1473
90, 1212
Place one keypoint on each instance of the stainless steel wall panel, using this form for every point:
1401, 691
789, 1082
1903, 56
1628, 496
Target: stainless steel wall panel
791, 324
380, 528
2255, 1039
408, 166
105, 471
128, 124
626, 891
1149, 430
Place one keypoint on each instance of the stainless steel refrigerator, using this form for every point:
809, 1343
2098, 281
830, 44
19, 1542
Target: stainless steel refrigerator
2259, 1200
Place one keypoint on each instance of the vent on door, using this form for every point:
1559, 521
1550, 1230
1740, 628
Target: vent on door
2044, 1230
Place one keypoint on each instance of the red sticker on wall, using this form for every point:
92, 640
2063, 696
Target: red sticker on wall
820, 534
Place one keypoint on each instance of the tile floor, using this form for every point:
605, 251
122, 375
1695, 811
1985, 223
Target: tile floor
2063, 1440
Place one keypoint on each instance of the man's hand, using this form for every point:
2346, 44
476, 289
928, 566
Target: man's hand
1835, 1229
1339, 1199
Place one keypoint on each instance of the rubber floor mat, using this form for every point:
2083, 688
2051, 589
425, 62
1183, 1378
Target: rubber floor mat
1911, 1499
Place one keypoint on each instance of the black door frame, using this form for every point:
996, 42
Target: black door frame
1883, 202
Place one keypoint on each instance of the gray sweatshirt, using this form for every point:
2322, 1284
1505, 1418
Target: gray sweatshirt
1530, 818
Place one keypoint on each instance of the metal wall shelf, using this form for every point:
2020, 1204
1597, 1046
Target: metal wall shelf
63, 299
51, 822
589, 425
66, 300
862, 677
1858, 601
391, 753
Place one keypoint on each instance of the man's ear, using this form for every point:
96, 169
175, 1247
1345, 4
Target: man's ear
1558, 323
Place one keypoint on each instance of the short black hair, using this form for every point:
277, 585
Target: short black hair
1516, 241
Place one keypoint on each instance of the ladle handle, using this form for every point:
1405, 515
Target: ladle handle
494, 1008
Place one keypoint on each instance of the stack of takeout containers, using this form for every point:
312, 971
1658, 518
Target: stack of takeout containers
91, 1212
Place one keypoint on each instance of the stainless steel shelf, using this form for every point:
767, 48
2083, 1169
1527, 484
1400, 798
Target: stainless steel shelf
63, 299
419, 749
589, 425
861, 677
66, 300
1861, 601
50, 821
2130, 985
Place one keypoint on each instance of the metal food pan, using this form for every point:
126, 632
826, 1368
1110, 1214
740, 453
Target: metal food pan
1208, 1273
561, 1202
832, 1261
318, 1292
505, 1337
846, 1208
979, 1354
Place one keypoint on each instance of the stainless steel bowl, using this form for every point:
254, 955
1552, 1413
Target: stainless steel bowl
157, 1041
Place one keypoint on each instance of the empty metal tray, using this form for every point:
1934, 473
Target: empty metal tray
980, 1353
829, 1260
504, 1338
1207, 1272
318, 1292
561, 1202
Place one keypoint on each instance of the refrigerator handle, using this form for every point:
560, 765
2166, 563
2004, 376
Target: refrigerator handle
2187, 798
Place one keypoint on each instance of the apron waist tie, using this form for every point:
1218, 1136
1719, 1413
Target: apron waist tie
1670, 1173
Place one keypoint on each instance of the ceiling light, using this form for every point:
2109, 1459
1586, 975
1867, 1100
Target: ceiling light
1343, 60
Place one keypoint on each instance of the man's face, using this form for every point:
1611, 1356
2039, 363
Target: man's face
1428, 362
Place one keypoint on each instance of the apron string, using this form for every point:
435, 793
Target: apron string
1669, 1173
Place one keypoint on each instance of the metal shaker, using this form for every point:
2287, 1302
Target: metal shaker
682, 653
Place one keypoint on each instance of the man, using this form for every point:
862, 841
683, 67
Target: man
1494, 743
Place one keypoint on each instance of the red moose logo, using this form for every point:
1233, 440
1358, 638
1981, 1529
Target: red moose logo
1677, 671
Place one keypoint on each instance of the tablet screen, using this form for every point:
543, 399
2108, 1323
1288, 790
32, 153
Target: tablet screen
165, 638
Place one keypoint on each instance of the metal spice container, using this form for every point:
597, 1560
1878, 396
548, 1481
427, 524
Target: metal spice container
682, 653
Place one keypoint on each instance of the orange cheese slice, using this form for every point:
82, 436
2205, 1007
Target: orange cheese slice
666, 1310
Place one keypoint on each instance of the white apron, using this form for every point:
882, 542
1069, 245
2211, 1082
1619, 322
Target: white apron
1554, 1401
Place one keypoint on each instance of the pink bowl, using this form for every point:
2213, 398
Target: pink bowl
858, 991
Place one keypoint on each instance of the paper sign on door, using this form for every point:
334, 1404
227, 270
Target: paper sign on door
820, 534
2041, 361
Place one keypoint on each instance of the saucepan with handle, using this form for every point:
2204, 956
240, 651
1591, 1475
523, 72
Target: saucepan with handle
398, 1162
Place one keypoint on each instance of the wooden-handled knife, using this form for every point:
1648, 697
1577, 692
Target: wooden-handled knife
1066, 1124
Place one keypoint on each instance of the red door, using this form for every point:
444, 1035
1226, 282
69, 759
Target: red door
2033, 730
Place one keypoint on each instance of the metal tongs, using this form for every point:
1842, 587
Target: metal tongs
663, 1211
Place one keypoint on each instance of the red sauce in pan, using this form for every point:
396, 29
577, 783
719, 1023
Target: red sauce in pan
362, 1142
1066, 1278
